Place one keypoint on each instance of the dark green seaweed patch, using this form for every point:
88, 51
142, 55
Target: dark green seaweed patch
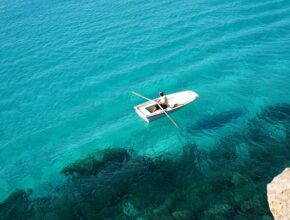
277, 113
227, 182
97, 161
215, 121
17, 206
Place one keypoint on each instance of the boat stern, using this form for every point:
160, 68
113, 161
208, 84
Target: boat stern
141, 113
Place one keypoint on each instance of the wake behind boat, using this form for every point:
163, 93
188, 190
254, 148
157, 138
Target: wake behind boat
175, 102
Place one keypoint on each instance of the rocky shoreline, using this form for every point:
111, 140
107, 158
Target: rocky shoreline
278, 192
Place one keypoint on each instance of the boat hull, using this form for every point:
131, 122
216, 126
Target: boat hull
176, 100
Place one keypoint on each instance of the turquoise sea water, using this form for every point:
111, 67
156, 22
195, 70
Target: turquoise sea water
67, 69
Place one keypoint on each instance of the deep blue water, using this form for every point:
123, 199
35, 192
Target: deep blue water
67, 69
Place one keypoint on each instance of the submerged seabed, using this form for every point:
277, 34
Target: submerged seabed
226, 182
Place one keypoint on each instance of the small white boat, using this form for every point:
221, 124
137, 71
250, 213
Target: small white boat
175, 102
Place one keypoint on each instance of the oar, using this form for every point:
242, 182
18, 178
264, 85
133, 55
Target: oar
141, 96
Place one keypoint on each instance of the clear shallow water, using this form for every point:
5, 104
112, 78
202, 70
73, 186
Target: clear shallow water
67, 69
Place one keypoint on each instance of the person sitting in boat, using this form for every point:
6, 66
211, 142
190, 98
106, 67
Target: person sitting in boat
162, 101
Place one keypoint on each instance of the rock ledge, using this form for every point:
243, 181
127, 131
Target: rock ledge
278, 192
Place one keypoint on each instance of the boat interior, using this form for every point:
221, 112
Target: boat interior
150, 108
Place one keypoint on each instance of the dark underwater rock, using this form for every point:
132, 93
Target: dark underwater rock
225, 151
267, 217
217, 120
147, 184
221, 183
219, 211
17, 206
98, 161
279, 112
18, 195
158, 217
182, 215
101, 196
255, 205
